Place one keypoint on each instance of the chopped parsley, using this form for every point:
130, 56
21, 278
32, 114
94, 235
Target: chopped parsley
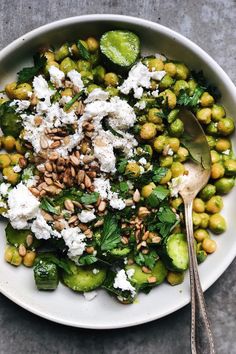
110, 236
28, 73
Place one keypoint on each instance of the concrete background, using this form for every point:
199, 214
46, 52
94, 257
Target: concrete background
211, 24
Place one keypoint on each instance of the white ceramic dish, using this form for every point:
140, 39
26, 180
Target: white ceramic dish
64, 306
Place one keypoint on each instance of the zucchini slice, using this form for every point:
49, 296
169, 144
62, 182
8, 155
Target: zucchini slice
46, 275
84, 279
176, 250
120, 48
140, 279
18, 237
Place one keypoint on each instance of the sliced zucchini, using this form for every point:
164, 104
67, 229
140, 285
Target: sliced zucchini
140, 279
119, 252
46, 275
84, 279
18, 237
176, 250
120, 48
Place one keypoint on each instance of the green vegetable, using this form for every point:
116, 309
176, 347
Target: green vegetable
46, 275
87, 260
89, 198
149, 260
176, 249
83, 52
158, 194
73, 100
10, 121
47, 205
28, 73
190, 101
120, 48
110, 236
62, 263
119, 252
18, 237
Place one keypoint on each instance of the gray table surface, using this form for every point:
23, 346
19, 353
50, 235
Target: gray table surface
211, 24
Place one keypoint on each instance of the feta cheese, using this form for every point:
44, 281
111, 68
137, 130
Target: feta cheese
142, 161
140, 105
90, 295
22, 105
116, 202
155, 93
75, 78
23, 206
4, 188
130, 273
95, 271
174, 185
74, 240
16, 168
97, 95
86, 216
121, 282
170, 152
56, 76
158, 75
103, 187
103, 151
42, 230
41, 88
226, 152
160, 56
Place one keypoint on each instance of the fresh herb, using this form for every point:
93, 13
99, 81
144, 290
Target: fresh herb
163, 113
148, 260
28, 73
89, 198
106, 126
202, 81
72, 101
47, 205
61, 263
83, 52
123, 186
158, 174
122, 165
162, 222
88, 259
110, 236
76, 195
154, 175
190, 101
166, 215
158, 194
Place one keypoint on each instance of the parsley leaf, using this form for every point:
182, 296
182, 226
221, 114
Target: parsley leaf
190, 101
110, 236
123, 186
26, 74
158, 194
122, 165
89, 198
154, 175
47, 205
83, 52
88, 259
166, 215
148, 260
158, 174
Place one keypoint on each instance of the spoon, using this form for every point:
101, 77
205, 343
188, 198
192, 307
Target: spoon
199, 168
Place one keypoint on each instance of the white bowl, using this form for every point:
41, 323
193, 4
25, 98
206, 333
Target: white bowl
64, 306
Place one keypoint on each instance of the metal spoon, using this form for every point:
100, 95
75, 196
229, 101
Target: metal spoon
198, 175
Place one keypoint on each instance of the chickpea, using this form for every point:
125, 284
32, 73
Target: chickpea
209, 245
113, 91
147, 190
204, 115
67, 92
5, 160
166, 161
211, 141
215, 157
19, 147
62, 52
29, 258
201, 234
153, 116
10, 89
177, 169
166, 82
182, 72
99, 74
192, 86
166, 178
83, 65
67, 65
226, 126
92, 87
22, 91
174, 144
212, 128
148, 131
155, 64
198, 205
175, 278
171, 98
217, 223
133, 168
224, 185
176, 128
201, 256
170, 68
217, 170
223, 144
159, 143
11, 176
15, 158
12, 256
173, 115
87, 77
230, 167
182, 154
206, 100
50, 56
111, 79
93, 44
214, 205
9, 142
217, 112
196, 219
180, 85
204, 220
175, 203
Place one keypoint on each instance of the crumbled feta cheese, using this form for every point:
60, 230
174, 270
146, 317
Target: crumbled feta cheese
3, 204
130, 273
86, 216
97, 95
155, 93
90, 295
103, 187
95, 271
103, 151
226, 152
75, 78
42, 230
121, 282
170, 152
4, 188
22, 105
174, 185
41, 89
142, 161
116, 202
16, 168
74, 240
23, 206
121, 114
158, 75
140, 105
56, 76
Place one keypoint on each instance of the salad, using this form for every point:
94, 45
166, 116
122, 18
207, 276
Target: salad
93, 150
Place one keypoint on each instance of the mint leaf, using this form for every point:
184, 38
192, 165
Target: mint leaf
110, 236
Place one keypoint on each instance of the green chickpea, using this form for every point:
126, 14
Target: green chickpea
214, 205
207, 192
176, 128
166, 178
201, 234
224, 185
217, 112
198, 205
175, 203
10, 89
217, 170
166, 82
74, 51
113, 91
212, 128
170, 98
159, 143
92, 87
142, 119
225, 126
29, 258
67, 65
166, 161
201, 256
99, 74
22, 91
83, 65
93, 44
155, 64
182, 72
209, 246
147, 190
175, 278
172, 115
230, 167
62, 52
153, 116
174, 144
204, 115
9, 143
87, 77
211, 141
177, 169
12, 256
15, 158
196, 219
133, 168
192, 86
5, 160
204, 220
206, 100
50, 56
111, 79
11, 176
223, 144
215, 156
217, 223
182, 154
148, 131
170, 68
180, 85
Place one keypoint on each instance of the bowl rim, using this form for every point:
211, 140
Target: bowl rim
195, 49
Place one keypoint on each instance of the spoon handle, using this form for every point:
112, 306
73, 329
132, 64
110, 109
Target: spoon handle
201, 335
